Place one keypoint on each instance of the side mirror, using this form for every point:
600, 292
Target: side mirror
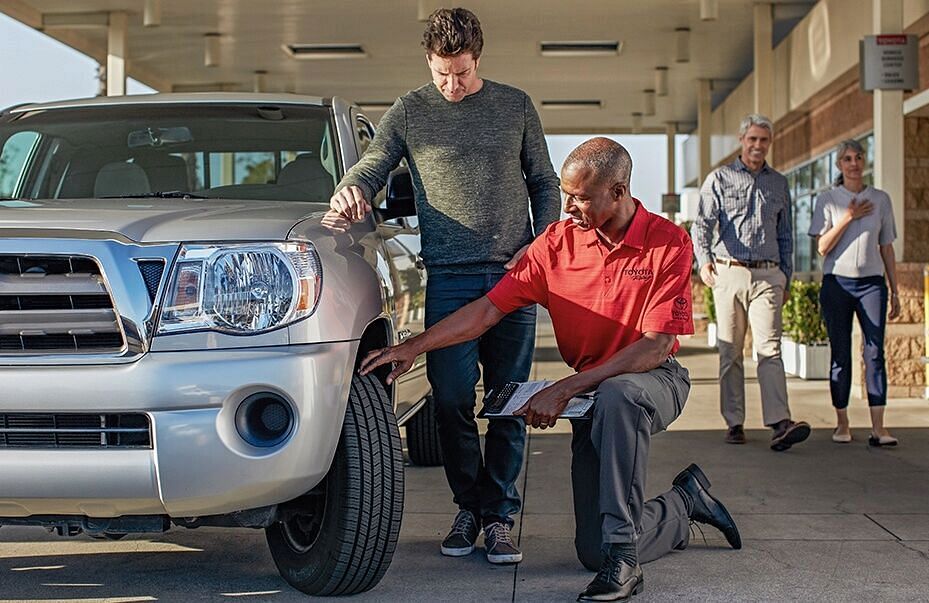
400, 198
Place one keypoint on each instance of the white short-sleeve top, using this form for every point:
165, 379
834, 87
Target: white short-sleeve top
857, 253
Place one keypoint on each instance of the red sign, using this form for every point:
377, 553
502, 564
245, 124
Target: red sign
891, 40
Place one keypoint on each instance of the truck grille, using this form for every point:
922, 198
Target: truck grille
55, 304
39, 430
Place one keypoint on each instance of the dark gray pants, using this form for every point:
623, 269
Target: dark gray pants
609, 462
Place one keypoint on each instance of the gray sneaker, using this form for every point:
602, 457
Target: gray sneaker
461, 538
499, 545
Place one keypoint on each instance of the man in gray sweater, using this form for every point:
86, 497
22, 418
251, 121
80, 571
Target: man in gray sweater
484, 187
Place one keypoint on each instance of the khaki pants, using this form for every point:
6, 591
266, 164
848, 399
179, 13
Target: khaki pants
743, 297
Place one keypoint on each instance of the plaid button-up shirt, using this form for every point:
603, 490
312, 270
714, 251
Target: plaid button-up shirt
745, 217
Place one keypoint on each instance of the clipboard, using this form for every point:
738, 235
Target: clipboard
514, 395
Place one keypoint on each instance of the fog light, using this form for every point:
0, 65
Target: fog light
264, 420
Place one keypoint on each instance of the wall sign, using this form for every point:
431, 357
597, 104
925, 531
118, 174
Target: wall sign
889, 62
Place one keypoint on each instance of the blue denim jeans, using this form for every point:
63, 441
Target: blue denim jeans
486, 485
841, 299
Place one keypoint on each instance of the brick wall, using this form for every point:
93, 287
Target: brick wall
847, 114
916, 174
904, 341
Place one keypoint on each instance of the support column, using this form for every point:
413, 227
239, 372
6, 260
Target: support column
704, 116
671, 132
888, 127
764, 60
116, 54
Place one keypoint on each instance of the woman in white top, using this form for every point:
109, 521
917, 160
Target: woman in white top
855, 226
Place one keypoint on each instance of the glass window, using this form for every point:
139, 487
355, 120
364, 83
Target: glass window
16, 152
868, 143
802, 242
804, 179
365, 134
821, 173
241, 168
217, 151
833, 168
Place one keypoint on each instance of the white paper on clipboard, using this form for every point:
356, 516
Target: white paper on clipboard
517, 394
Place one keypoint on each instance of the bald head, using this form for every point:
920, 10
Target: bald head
608, 161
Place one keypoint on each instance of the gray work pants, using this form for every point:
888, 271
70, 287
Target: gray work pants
609, 462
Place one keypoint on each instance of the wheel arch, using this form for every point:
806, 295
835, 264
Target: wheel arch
378, 334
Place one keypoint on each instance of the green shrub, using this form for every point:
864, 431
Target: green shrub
709, 304
803, 320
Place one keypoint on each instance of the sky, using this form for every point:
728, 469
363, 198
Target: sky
43, 69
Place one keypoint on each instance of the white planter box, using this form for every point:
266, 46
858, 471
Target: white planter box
711, 335
813, 361
789, 354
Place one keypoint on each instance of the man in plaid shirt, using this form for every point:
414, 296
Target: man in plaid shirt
743, 241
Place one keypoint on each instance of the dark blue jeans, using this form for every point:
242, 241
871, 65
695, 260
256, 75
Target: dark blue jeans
486, 485
841, 298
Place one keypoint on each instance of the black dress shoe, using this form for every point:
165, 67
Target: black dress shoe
735, 435
792, 433
616, 581
706, 508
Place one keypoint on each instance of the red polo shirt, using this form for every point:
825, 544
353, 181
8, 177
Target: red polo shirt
602, 300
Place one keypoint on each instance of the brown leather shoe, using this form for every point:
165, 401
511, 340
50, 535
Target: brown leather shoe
735, 435
794, 433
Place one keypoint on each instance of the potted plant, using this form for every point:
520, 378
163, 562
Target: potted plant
805, 346
710, 306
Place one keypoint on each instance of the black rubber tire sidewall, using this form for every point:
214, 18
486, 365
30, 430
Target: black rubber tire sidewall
422, 437
364, 503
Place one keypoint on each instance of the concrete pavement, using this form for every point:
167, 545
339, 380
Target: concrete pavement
822, 522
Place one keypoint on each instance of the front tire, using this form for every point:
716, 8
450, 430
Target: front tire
422, 437
339, 539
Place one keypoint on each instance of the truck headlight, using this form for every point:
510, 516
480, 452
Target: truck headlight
242, 288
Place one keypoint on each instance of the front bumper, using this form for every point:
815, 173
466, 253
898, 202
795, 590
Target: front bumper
198, 464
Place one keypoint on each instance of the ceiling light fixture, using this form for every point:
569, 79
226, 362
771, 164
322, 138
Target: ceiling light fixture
661, 81
709, 10
581, 48
325, 51
682, 35
151, 14
211, 50
572, 104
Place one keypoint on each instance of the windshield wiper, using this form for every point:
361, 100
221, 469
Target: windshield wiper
159, 195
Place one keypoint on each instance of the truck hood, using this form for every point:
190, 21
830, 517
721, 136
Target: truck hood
160, 220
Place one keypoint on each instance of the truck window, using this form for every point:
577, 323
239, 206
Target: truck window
17, 150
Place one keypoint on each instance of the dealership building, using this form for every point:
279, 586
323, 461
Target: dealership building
670, 67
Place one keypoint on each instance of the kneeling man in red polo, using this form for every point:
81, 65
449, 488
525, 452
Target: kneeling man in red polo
615, 279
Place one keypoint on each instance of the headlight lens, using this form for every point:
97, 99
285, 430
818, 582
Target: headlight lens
242, 288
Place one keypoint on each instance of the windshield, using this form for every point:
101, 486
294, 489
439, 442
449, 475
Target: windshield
278, 153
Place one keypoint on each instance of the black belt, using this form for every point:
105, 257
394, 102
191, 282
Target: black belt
750, 264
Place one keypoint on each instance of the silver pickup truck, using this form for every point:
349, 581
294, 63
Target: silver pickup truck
180, 329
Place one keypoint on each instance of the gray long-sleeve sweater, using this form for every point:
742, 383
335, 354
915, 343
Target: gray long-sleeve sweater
479, 168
